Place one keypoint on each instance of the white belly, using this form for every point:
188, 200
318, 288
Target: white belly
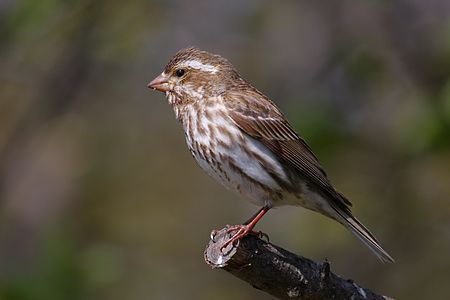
237, 169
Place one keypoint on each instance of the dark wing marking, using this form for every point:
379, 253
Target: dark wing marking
263, 121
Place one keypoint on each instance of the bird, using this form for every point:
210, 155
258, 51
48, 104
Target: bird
241, 138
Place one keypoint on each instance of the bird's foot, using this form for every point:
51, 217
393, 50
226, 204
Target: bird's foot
239, 232
259, 234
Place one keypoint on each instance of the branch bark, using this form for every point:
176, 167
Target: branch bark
279, 272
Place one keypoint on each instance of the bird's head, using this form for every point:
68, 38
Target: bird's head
194, 73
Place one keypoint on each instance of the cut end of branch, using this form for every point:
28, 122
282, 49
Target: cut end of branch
278, 272
217, 256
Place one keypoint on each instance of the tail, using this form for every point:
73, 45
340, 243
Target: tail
364, 235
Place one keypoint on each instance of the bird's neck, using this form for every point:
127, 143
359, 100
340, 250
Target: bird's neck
189, 111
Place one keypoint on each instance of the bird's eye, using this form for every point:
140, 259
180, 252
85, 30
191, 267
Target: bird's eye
180, 72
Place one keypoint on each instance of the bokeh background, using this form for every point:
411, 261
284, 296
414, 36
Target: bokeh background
100, 199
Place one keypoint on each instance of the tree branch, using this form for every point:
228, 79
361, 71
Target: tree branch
279, 272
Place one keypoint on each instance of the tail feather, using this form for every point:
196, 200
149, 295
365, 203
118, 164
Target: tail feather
365, 236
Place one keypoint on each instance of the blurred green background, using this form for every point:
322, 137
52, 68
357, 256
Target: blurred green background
100, 199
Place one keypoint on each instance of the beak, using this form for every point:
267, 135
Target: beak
160, 83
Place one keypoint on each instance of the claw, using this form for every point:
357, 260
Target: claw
213, 234
263, 235
241, 231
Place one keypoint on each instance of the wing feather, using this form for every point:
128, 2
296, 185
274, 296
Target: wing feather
271, 128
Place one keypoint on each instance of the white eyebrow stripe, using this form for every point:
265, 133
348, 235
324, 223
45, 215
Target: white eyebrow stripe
195, 64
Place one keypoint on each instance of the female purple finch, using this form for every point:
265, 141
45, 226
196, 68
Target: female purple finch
240, 137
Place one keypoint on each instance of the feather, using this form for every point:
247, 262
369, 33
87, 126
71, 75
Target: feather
272, 129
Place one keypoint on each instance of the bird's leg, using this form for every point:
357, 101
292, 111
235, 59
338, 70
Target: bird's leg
255, 215
246, 228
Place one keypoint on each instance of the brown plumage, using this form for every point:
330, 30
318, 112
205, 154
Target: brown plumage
240, 138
